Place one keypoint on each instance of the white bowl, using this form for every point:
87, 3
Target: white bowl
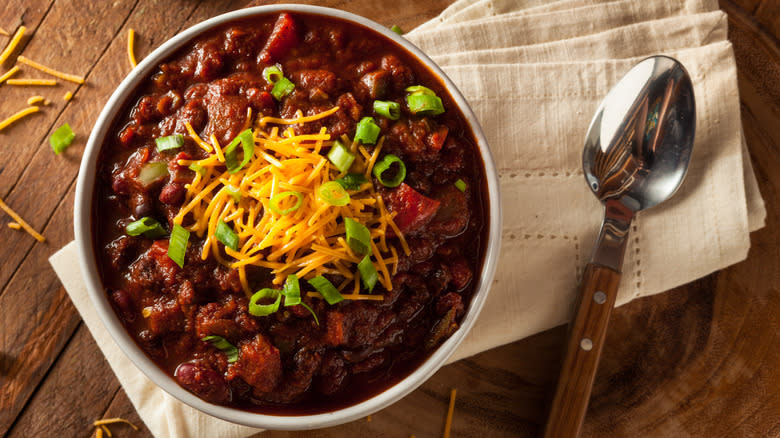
83, 231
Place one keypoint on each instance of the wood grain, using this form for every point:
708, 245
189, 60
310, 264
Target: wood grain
701, 360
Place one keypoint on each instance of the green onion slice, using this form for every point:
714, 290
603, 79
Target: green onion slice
461, 185
198, 168
419, 89
326, 289
147, 226
387, 108
424, 104
272, 74
170, 142
397, 29
277, 200
334, 194
234, 192
367, 131
368, 274
226, 235
340, 156
264, 309
291, 291
61, 138
177, 245
282, 88
292, 295
150, 173
352, 181
317, 320
358, 236
247, 142
384, 165
221, 343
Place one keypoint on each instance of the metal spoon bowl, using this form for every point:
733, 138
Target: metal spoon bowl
636, 154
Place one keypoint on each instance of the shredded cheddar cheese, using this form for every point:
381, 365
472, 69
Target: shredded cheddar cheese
130, 47
102, 426
68, 96
25, 112
9, 49
28, 81
50, 71
4, 32
295, 233
450, 410
14, 226
21, 221
36, 99
8, 74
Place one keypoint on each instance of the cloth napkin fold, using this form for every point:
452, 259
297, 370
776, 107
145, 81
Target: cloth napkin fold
534, 72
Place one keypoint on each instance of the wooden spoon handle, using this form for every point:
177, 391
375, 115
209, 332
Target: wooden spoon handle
587, 332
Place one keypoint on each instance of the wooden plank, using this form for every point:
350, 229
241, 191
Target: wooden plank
767, 14
70, 42
120, 407
70, 412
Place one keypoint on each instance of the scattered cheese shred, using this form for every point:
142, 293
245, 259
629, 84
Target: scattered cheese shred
107, 421
4, 32
36, 99
130, 47
27, 111
50, 71
308, 240
9, 49
27, 81
68, 96
14, 226
450, 410
8, 74
21, 221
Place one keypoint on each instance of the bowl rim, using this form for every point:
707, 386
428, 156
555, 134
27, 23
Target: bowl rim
83, 235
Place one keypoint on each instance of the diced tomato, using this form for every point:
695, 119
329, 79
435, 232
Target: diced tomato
436, 139
283, 37
413, 210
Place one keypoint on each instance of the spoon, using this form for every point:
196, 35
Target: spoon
636, 154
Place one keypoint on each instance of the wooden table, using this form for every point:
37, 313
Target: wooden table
702, 360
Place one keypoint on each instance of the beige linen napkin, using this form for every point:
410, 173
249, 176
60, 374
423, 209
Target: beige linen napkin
552, 73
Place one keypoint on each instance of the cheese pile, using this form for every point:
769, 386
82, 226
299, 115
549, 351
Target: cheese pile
307, 241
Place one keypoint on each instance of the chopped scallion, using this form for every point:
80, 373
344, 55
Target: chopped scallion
265, 309
282, 88
221, 343
170, 142
326, 289
198, 168
352, 181
384, 165
272, 74
340, 156
247, 142
461, 185
305, 306
61, 138
226, 235
177, 245
368, 274
291, 291
147, 226
151, 173
424, 104
276, 202
397, 29
367, 131
387, 108
334, 194
234, 192
358, 236
419, 89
